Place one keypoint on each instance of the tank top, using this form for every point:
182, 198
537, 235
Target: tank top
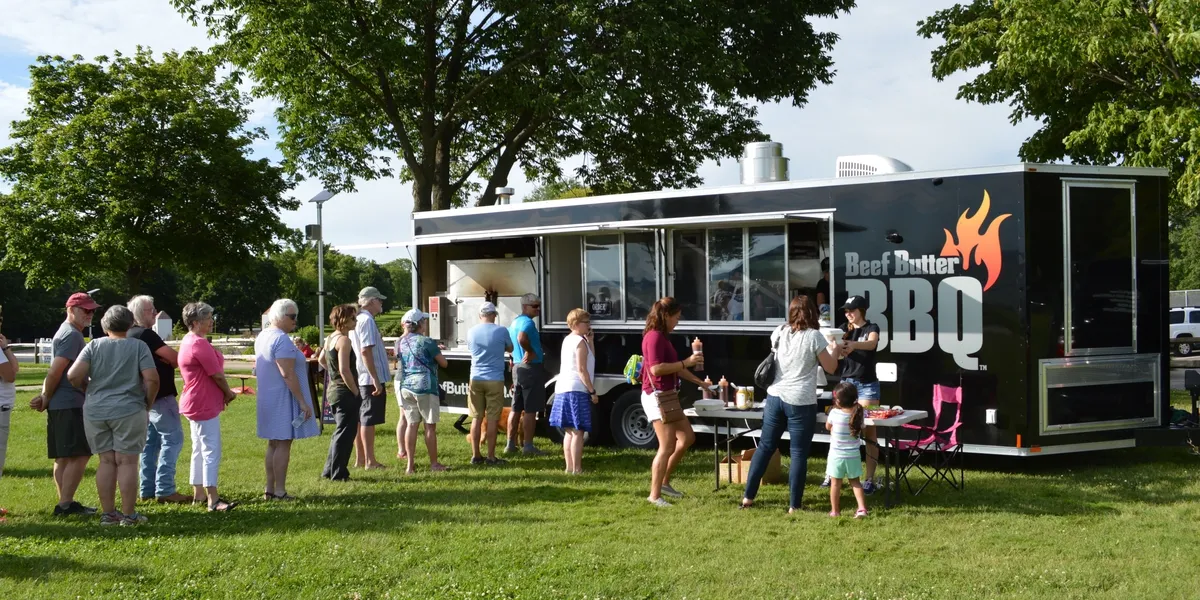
568, 372
335, 373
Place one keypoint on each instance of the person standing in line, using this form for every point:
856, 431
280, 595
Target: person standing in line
857, 367
661, 371
206, 393
487, 342
164, 435
66, 442
575, 389
529, 376
419, 388
343, 378
284, 403
122, 384
397, 379
373, 376
8, 398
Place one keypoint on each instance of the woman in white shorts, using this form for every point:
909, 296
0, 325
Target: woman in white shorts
662, 370
418, 383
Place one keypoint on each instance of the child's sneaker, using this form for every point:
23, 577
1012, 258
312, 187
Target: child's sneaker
869, 487
112, 518
860, 513
825, 483
134, 519
834, 513
661, 503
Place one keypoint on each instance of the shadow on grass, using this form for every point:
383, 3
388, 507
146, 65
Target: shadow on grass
46, 473
40, 568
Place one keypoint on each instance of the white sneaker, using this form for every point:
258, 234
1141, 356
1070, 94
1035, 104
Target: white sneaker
661, 503
670, 491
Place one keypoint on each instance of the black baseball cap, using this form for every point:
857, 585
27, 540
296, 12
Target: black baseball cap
856, 303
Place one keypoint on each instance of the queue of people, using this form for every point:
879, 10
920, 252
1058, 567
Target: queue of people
116, 397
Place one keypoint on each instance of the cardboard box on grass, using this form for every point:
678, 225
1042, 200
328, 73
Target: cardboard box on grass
741, 468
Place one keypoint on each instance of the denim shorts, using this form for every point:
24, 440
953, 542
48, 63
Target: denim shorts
866, 391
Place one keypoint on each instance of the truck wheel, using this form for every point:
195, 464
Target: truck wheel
1183, 349
628, 423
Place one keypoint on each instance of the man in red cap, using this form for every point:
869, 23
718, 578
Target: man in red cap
63, 403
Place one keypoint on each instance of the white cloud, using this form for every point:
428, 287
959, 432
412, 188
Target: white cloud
94, 27
883, 101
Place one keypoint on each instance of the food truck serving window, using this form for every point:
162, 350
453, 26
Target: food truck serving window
614, 276
746, 273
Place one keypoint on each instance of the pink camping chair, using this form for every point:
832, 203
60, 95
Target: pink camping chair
937, 454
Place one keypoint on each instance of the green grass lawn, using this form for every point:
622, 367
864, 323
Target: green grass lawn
1120, 524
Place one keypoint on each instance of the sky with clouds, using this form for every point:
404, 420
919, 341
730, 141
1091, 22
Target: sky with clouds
883, 100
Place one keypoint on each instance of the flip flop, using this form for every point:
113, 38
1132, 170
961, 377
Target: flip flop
268, 496
286, 497
439, 468
222, 505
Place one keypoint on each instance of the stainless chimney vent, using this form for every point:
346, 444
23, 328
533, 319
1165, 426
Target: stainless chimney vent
763, 162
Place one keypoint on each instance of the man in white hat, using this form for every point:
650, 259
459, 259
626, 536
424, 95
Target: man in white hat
487, 342
373, 376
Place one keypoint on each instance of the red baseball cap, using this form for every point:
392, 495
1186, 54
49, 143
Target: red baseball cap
82, 300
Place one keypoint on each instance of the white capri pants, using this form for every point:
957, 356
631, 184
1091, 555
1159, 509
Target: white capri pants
206, 451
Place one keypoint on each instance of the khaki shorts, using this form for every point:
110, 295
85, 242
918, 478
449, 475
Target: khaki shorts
126, 435
485, 398
420, 408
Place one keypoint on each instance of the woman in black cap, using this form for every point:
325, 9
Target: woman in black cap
859, 342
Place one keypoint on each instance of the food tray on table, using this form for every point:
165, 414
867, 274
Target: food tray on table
884, 413
708, 404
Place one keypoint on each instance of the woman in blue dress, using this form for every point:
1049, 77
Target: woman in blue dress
285, 410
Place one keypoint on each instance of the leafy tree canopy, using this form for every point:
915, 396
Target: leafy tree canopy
126, 166
463, 91
1110, 81
560, 189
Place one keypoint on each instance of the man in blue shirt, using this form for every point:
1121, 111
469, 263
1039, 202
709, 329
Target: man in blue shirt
487, 342
529, 376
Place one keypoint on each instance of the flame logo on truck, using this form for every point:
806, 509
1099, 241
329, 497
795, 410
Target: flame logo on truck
986, 245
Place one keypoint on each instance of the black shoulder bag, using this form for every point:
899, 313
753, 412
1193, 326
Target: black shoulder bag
764, 375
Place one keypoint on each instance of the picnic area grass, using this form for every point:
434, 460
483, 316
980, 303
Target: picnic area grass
1117, 524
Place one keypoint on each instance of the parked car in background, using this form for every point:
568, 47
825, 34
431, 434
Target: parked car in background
1185, 324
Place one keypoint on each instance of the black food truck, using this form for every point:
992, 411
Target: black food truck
1040, 290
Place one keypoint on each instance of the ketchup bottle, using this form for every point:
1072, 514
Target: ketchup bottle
723, 390
698, 349
707, 391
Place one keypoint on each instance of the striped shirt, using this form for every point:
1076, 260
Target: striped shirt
841, 443
366, 335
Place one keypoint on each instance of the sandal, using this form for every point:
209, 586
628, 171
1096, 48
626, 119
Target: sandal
222, 505
439, 468
286, 497
268, 496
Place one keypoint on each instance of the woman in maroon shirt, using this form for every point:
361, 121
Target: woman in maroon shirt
662, 370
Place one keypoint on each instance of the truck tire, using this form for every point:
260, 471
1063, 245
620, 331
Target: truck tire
1183, 349
628, 423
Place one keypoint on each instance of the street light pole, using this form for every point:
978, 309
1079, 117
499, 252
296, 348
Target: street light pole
320, 200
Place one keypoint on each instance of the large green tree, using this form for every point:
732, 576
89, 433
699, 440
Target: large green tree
1109, 81
463, 91
559, 189
127, 166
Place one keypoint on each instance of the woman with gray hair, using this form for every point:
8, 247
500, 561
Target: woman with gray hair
205, 396
121, 383
285, 408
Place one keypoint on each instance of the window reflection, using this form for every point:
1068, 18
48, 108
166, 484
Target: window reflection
726, 275
689, 268
767, 260
602, 256
640, 285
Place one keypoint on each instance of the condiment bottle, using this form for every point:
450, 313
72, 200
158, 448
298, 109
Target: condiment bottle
707, 391
698, 349
723, 390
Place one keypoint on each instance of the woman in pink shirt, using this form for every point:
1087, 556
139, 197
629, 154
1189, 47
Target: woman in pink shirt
662, 370
205, 395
